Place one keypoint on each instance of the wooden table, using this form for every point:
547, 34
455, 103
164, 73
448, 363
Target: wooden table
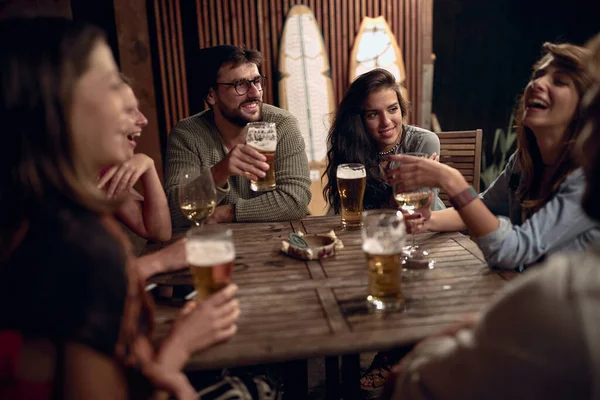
295, 310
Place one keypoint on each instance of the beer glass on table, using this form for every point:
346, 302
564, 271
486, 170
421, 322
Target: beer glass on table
351, 182
263, 137
197, 194
383, 236
409, 201
210, 253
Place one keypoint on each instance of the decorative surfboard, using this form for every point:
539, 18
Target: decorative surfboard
306, 90
375, 46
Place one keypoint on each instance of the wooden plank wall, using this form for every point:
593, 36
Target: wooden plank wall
169, 42
258, 24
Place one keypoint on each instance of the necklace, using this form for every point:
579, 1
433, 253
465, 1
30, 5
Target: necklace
392, 150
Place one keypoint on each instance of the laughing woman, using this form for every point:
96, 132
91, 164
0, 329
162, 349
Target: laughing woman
368, 127
76, 322
542, 183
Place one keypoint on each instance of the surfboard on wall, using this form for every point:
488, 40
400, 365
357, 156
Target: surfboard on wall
306, 90
375, 46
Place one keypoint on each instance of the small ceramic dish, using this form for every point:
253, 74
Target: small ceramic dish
311, 247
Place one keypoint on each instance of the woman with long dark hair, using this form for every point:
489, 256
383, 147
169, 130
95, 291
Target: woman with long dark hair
369, 127
542, 183
76, 322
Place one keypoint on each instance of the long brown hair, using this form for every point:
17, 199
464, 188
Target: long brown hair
41, 60
349, 141
570, 59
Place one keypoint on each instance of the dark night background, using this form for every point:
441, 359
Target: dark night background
485, 50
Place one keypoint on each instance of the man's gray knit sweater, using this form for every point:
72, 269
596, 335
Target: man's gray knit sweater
195, 141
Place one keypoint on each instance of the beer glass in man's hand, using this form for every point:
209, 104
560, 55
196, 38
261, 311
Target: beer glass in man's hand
210, 254
351, 182
383, 235
197, 194
263, 137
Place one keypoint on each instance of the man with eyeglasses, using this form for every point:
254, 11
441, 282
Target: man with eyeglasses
233, 89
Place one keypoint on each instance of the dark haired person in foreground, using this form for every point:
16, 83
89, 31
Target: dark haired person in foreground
76, 322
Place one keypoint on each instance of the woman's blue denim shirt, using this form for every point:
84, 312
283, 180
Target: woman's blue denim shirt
560, 226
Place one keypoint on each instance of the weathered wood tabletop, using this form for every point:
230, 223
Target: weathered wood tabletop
292, 309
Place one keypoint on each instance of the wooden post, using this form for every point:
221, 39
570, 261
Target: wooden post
134, 49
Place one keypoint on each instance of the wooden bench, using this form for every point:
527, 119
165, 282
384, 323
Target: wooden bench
462, 150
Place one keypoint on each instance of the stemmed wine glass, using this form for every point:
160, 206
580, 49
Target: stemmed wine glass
197, 194
409, 201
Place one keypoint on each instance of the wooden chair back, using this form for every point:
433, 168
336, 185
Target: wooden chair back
462, 150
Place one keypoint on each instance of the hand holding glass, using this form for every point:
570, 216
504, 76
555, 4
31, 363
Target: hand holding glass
197, 194
409, 201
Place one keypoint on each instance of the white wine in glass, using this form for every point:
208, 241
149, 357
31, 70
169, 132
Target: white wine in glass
197, 194
410, 201
197, 212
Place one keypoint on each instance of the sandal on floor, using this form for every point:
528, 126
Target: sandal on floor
374, 379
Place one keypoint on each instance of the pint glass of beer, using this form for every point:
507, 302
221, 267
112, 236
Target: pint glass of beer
263, 137
384, 235
351, 182
210, 254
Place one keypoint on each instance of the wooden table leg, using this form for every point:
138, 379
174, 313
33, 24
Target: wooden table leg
295, 380
351, 376
332, 378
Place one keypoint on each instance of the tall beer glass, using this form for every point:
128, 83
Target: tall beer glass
351, 182
263, 137
383, 235
210, 254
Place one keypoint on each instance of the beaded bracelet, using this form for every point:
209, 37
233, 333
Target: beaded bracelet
463, 198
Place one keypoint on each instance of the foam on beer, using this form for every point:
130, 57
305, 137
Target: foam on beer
208, 253
389, 240
383, 248
348, 173
265, 145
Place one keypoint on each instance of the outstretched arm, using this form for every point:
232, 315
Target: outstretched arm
169, 258
415, 172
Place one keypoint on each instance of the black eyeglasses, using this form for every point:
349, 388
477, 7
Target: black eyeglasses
243, 86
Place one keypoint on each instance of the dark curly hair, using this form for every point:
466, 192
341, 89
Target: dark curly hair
349, 141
